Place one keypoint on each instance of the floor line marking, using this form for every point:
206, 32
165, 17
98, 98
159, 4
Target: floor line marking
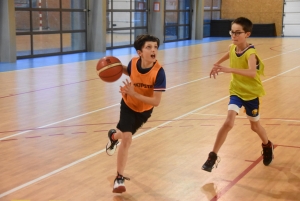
233, 182
288, 146
37, 90
237, 179
246, 171
59, 121
119, 104
6, 96
166, 89
242, 117
99, 152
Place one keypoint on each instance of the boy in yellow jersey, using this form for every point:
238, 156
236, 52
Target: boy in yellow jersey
139, 96
245, 89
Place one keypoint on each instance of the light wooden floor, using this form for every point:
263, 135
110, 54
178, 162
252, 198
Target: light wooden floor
54, 123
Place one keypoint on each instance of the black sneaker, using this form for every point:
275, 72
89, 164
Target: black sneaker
211, 161
119, 186
112, 144
267, 153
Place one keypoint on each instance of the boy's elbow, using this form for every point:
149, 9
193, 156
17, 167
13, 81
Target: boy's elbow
253, 74
155, 104
156, 99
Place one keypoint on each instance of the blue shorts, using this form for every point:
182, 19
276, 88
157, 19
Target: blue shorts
251, 107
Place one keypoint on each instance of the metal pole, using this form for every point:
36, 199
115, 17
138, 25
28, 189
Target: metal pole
41, 16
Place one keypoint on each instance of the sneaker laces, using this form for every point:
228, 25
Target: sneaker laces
113, 143
213, 162
121, 177
217, 161
266, 152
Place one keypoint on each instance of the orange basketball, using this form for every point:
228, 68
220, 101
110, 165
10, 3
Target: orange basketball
109, 69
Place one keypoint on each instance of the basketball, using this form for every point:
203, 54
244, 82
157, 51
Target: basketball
109, 69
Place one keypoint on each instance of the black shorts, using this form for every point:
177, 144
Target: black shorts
130, 120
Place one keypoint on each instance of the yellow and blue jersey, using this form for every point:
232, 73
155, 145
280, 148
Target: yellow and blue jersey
246, 88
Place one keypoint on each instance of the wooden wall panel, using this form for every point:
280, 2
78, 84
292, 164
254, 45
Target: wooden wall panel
259, 12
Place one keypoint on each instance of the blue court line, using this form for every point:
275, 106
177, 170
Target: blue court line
85, 56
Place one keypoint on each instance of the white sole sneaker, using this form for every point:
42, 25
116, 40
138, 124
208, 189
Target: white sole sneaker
110, 151
119, 188
111, 146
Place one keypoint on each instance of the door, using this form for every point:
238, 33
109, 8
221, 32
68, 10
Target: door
125, 20
178, 15
291, 18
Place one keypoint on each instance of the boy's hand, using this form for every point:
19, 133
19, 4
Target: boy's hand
127, 88
214, 71
223, 69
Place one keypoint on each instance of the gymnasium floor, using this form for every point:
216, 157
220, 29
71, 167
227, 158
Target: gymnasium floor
55, 114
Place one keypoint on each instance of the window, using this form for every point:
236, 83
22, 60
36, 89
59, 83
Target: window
177, 20
212, 11
50, 27
125, 19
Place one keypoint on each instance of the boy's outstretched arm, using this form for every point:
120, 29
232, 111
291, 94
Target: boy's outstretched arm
223, 58
214, 70
129, 90
250, 72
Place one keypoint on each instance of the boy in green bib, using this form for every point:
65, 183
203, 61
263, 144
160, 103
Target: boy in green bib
245, 89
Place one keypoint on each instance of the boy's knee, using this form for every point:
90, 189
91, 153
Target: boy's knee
228, 124
126, 138
254, 127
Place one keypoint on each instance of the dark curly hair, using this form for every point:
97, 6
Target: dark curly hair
244, 22
142, 39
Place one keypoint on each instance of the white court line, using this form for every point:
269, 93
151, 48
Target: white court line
242, 117
281, 74
59, 121
188, 82
119, 104
219, 115
101, 151
281, 54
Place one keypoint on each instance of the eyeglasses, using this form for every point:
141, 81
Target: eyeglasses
237, 33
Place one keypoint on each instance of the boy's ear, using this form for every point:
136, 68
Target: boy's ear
248, 34
139, 52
